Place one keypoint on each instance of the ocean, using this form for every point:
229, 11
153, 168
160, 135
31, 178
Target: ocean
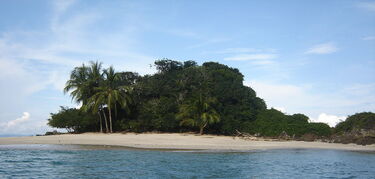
89, 162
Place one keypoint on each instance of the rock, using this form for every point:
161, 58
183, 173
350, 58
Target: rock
283, 135
309, 137
52, 133
357, 136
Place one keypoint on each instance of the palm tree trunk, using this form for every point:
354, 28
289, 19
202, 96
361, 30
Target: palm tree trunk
105, 120
100, 121
110, 119
115, 111
201, 128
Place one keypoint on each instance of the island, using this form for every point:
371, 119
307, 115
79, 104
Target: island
188, 106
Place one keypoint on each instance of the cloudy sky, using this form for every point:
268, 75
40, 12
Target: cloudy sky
311, 57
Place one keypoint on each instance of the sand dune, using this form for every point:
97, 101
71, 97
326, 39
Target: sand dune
177, 141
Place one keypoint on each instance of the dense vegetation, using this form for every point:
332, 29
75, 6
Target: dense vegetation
273, 122
180, 97
358, 128
73, 120
364, 120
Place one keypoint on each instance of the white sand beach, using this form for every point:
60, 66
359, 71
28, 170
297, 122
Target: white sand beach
177, 141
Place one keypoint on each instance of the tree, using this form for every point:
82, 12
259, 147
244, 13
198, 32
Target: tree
199, 113
97, 106
110, 94
237, 103
363, 120
158, 100
72, 119
319, 129
78, 85
82, 82
166, 65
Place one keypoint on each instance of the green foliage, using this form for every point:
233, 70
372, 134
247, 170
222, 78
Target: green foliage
237, 103
319, 129
198, 112
73, 120
166, 65
364, 120
96, 89
270, 123
83, 80
109, 93
157, 114
182, 96
273, 122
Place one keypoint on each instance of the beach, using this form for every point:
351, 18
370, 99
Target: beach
178, 141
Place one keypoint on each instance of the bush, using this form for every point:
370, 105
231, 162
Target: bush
272, 123
319, 129
364, 120
73, 120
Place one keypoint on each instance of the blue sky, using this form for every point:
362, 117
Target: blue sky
311, 57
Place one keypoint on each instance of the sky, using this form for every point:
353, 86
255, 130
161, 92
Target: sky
311, 57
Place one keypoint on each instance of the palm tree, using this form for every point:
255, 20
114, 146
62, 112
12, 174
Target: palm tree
83, 80
97, 106
199, 113
95, 78
110, 94
77, 84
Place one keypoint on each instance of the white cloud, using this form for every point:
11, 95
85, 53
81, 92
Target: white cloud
24, 125
256, 56
369, 38
33, 61
70, 35
331, 120
325, 48
23, 118
247, 57
367, 5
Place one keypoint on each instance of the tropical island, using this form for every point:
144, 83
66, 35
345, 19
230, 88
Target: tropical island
187, 98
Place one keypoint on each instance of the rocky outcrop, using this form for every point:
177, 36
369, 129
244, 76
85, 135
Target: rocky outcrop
357, 136
309, 137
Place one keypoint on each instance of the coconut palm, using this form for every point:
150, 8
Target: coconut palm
97, 106
78, 84
199, 113
83, 80
109, 93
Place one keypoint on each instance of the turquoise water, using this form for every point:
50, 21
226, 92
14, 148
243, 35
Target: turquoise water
54, 161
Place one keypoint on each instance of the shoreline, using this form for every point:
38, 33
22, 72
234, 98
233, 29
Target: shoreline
178, 141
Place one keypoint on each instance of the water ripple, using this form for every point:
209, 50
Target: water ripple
51, 161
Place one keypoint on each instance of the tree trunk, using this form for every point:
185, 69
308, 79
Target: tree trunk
115, 111
100, 121
106, 122
201, 130
110, 119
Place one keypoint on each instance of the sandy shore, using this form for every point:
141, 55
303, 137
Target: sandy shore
177, 141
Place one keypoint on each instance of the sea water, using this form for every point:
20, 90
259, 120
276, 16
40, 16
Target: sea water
71, 161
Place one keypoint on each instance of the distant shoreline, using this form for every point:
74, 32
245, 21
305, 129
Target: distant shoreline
178, 141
